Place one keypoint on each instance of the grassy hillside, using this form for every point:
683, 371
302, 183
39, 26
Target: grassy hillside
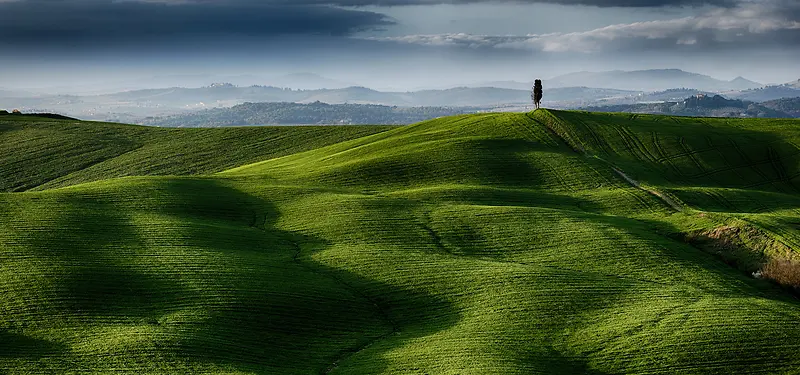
747, 169
497, 243
45, 153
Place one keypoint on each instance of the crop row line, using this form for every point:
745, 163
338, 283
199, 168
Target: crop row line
660, 148
690, 154
747, 159
603, 146
668, 201
626, 132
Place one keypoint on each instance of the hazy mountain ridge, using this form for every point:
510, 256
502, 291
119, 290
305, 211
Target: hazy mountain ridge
305, 114
711, 106
300, 80
677, 94
786, 105
585, 89
651, 80
134, 105
249, 114
307, 81
767, 93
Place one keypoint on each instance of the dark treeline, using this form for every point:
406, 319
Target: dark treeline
46, 115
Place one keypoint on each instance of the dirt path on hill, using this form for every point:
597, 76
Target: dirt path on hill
669, 201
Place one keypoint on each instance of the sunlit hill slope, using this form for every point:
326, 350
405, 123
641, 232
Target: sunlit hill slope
544, 242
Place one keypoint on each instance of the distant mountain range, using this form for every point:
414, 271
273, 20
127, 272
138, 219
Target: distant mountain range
789, 106
8, 93
672, 95
211, 95
573, 90
767, 93
650, 80
305, 114
307, 81
130, 105
297, 81
513, 85
638, 80
711, 106
348, 114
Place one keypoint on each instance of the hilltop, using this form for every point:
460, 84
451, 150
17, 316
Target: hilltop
515, 243
54, 116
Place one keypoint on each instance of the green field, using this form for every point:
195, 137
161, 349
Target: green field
547, 242
41, 153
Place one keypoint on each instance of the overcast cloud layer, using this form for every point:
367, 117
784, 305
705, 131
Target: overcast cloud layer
748, 25
87, 21
386, 39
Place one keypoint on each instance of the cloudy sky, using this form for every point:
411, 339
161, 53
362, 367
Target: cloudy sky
393, 44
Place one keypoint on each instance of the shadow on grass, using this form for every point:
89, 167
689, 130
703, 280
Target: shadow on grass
239, 295
13, 345
555, 362
281, 312
94, 270
203, 265
475, 161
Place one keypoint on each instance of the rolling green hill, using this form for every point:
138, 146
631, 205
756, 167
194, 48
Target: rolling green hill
45, 153
547, 242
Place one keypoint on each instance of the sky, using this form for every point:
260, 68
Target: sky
81, 45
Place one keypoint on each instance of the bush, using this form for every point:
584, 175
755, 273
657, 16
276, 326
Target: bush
783, 272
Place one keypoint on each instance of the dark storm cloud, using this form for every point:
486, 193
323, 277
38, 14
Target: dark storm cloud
599, 3
35, 23
31, 22
39, 22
